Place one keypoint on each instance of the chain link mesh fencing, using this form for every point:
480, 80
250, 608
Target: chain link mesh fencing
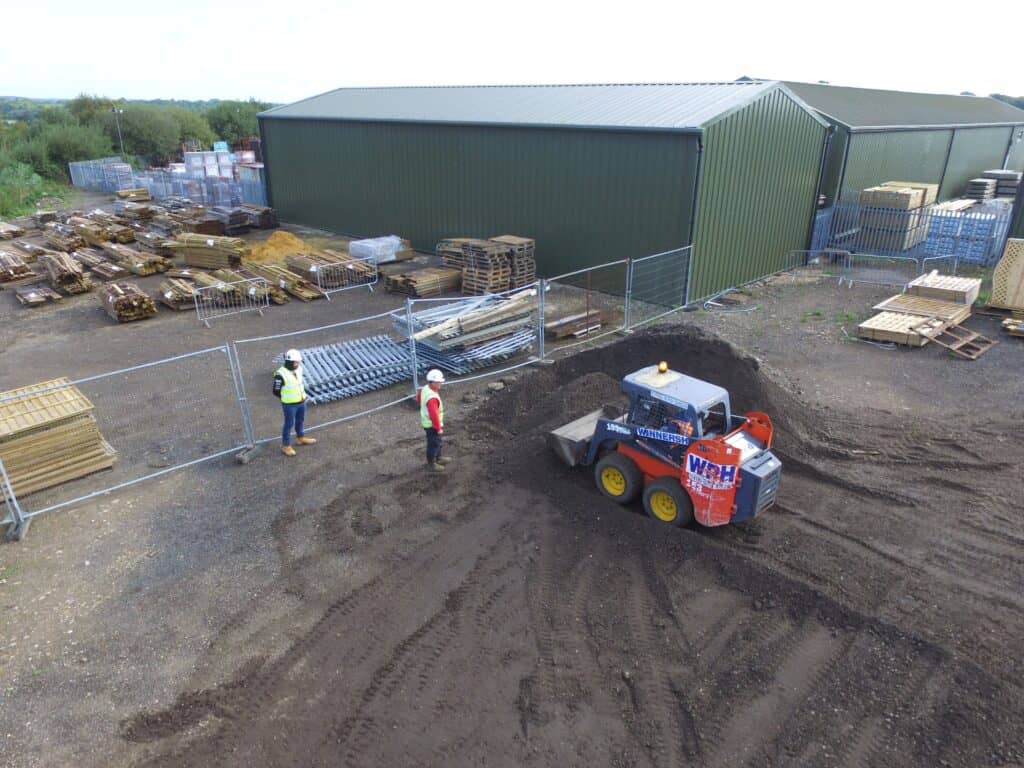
584, 306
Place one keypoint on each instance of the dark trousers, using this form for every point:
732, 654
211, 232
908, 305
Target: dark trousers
294, 416
433, 445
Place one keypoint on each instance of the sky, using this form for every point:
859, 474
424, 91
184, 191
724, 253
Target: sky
285, 51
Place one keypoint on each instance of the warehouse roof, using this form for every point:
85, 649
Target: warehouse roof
663, 107
870, 108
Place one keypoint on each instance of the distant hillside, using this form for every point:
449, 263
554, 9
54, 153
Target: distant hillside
28, 109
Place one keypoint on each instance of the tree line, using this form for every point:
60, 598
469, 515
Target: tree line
39, 138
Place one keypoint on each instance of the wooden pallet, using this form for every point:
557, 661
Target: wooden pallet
924, 307
962, 342
898, 328
958, 290
34, 295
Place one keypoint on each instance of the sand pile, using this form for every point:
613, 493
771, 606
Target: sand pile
277, 246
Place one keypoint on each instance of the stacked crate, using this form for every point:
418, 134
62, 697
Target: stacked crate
487, 267
893, 216
1007, 182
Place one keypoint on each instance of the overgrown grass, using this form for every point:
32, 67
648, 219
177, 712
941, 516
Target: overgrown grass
19, 201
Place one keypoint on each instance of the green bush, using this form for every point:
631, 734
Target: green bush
232, 120
19, 186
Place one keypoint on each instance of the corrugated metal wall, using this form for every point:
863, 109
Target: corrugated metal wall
760, 173
974, 150
587, 197
898, 155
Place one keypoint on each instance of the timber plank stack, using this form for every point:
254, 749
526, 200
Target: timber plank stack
99, 265
234, 220
125, 303
115, 230
342, 270
34, 295
277, 294
577, 325
49, 435
209, 252
12, 267
424, 283
63, 237
523, 259
10, 231
31, 250
177, 293
65, 274
286, 280
134, 195
134, 211
893, 215
93, 232
487, 268
218, 291
259, 216
136, 262
255, 290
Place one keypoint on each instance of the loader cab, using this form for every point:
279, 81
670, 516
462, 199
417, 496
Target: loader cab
673, 402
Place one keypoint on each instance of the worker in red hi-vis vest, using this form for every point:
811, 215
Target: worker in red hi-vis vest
432, 419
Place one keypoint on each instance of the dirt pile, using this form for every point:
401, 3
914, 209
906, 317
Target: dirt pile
276, 247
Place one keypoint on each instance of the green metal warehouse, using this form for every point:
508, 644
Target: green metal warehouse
595, 173
882, 136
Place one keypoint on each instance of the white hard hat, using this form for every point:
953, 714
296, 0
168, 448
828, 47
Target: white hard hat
435, 376
293, 356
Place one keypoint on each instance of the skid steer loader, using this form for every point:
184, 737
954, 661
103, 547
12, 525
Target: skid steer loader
680, 447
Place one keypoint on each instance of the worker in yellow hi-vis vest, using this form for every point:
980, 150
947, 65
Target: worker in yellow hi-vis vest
432, 419
288, 386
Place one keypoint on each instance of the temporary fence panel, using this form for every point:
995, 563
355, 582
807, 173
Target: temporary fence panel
975, 235
879, 270
151, 419
356, 273
223, 299
350, 369
581, 306
473, 337
112, 173
657, 286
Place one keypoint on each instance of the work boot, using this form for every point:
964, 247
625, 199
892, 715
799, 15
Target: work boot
287, 450
435, 467
305, 440
444, 461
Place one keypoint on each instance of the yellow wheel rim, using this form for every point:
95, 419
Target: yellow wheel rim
613, 480
664, 506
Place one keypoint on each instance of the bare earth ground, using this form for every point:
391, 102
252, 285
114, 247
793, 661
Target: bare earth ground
344, 608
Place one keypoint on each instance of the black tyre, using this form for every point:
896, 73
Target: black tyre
666, 501
618, 478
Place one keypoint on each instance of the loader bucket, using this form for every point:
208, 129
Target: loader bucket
572, 440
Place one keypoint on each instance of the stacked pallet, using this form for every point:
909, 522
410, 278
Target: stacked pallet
234, 220
136, 262
31, 250
959, 290
12, 267
1007, 182
423, 283
49, 436
65, 274
98, 264
209, 252
981, 189
125, 303
487, 268
134, 195
259, 216
10, 231
286, 280
177, 293
63, 237
34, 295
524, 262
451, 252
894, 218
